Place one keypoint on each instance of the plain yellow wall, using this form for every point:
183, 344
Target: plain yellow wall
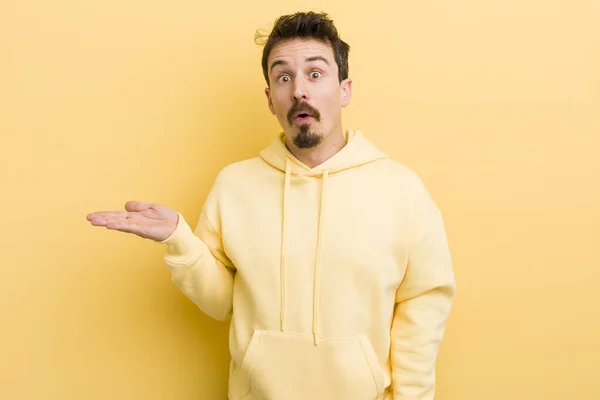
495, 104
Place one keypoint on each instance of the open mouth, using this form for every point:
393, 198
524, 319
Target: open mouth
303, 113
303, 117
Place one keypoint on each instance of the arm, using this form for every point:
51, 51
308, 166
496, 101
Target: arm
199, 265
423, 303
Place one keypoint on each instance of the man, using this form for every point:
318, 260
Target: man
330, 259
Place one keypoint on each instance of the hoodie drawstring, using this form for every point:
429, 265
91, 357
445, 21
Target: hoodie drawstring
286, 188
317, 269
317, 284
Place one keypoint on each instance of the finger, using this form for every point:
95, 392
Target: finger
98, 221
124, 225
107, 214
127, 226
103, 219
136, 206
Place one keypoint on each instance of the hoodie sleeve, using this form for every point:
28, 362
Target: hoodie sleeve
198, 263
423, 303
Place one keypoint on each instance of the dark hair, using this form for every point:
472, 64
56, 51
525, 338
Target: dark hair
309, 25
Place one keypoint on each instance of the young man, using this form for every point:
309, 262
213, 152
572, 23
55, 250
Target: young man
330, 259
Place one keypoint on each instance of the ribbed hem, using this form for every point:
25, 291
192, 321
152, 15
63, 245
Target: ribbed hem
182, 245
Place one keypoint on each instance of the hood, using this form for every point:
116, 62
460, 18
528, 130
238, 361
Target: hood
358, 151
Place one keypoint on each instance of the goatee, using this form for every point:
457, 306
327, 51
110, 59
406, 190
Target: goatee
306, 139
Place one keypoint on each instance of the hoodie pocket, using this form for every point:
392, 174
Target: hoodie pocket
280, 365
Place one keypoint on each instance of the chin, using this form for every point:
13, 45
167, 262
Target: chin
306, 138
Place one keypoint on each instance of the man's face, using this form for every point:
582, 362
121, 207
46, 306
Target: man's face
305, 92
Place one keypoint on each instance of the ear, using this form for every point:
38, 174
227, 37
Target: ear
268, 94
346, 91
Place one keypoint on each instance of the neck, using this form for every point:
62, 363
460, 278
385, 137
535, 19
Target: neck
316, 156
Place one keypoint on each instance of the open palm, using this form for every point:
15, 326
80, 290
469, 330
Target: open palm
150, 221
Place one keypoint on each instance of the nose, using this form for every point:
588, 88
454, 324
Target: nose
300, 90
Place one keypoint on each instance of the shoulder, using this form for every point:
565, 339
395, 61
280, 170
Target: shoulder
240, 169
401, 177
238, 174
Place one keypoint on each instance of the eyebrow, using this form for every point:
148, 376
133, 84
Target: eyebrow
317, 58
276, 63
309, 59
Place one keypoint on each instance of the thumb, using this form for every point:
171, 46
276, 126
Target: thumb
136, 206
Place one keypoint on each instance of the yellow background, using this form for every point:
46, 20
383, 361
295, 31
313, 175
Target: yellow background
494, 103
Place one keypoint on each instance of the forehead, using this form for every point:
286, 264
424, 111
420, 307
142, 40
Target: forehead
299, 49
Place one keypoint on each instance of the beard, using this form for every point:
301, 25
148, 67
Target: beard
306, 138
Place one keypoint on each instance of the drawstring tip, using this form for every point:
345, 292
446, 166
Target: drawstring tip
315, 339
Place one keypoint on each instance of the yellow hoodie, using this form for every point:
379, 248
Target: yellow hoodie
338, 279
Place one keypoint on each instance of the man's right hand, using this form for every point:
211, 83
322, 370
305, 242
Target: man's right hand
150, 221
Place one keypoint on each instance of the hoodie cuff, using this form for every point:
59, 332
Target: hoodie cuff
182, 245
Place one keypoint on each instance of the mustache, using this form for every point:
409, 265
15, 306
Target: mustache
300, 107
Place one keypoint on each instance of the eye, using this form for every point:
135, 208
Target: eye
315, 74
284, 79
